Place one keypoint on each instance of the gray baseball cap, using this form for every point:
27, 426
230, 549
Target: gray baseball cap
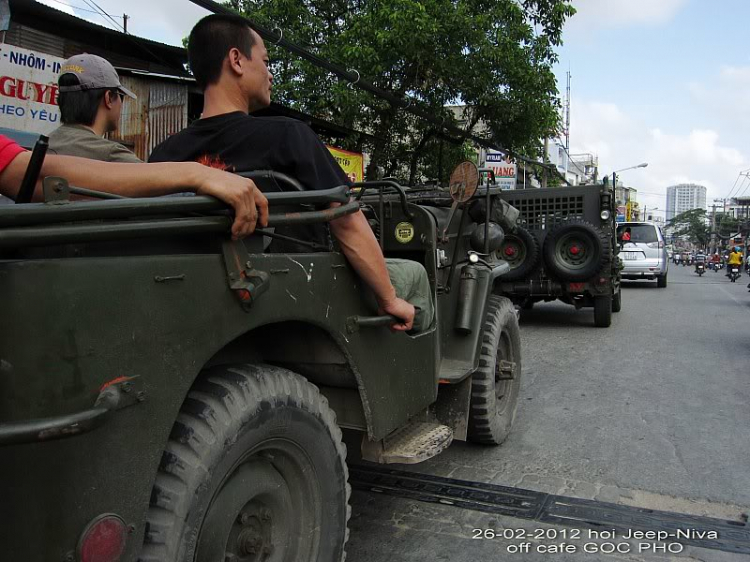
93, 73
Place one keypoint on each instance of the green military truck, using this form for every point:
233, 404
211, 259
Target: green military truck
564, 248
168, 394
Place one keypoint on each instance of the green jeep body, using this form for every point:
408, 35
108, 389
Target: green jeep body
114, 312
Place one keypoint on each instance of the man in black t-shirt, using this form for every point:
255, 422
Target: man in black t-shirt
230, 62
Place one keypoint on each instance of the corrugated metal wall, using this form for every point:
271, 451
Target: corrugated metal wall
159, 111
168, 110
35, 40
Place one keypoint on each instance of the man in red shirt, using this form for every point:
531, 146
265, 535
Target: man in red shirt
141, 180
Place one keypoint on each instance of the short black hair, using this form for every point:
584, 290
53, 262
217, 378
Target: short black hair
210, 41
79, 107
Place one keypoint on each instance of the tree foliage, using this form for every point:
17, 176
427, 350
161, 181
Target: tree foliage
494, 56
692, 225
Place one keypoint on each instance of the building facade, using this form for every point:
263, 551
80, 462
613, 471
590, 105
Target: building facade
684, 197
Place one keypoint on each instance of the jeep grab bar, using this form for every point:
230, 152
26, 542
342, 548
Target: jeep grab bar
30, 236
354, 323
43, 213
364, 185
114, 396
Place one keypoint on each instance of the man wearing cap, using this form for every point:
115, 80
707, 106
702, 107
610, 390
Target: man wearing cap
90, 101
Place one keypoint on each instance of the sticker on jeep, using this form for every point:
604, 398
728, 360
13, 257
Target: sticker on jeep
404, 232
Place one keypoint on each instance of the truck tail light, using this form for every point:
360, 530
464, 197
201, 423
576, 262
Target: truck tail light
655, 245
103, 540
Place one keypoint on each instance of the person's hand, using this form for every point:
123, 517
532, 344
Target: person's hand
400, 309
250, 205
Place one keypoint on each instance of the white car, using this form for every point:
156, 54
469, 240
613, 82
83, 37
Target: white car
645, 255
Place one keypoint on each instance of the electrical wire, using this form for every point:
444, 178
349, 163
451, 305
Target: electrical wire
80, 8
104, 14
570, 159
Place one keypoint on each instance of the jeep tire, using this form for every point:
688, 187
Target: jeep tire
575, 251
617, 300
494, 400
521, 250
254, 469
603, 311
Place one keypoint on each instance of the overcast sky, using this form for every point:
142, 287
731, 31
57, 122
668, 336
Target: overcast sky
659, 81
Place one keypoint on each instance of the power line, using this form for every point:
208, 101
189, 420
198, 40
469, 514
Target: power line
104, 14
80, 8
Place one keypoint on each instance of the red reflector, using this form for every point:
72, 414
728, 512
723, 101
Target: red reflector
509, 251
103, 540
574, 250
576, 286
244, 294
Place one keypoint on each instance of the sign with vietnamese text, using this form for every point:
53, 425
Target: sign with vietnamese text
28, 90
353, 163
505, 170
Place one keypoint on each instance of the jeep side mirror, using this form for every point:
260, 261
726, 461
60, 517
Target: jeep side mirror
464, 182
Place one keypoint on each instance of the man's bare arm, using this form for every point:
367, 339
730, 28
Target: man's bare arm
148, 180
363, 252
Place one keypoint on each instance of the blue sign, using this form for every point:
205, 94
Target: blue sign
620, 218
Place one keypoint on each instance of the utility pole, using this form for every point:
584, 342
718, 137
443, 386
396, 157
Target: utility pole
714, 237
544, 159
125, 18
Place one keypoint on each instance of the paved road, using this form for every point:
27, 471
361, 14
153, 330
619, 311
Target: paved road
652, 412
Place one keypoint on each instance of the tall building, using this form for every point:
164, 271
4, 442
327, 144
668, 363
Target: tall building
685, 197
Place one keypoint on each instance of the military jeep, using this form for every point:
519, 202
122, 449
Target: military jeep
564, 248
169, 394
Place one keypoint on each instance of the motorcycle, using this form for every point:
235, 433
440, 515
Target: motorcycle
734, 273
700, 269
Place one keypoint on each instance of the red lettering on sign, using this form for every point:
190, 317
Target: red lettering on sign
16, 88
8, 86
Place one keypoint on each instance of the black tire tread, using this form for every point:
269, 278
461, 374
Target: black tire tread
617, 301
481, 419
602, 312
224, 393
604, 248
533, 253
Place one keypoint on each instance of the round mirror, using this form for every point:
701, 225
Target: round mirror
464, 181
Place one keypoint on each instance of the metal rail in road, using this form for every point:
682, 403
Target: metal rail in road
733, 536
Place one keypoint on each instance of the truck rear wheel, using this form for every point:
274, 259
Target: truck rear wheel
254, 469
602, 312
496, 383
617, 300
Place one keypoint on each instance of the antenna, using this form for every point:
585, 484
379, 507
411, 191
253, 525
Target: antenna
567, 114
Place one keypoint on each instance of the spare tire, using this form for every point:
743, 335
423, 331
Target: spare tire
575, 251
521, 250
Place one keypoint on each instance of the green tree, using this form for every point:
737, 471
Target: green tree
726, 225
494, 56
692, 224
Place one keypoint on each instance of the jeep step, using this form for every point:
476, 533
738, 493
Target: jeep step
413, 443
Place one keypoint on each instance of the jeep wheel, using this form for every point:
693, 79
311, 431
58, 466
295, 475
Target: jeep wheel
617, 300
521, 250
575, 251
603, 312
495, 384
254, 469
661, 281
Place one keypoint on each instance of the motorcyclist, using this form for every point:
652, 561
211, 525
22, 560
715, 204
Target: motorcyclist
734, 260
700, 258
715, 260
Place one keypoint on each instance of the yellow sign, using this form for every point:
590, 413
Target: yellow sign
628, 212
404, 232
353, 163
